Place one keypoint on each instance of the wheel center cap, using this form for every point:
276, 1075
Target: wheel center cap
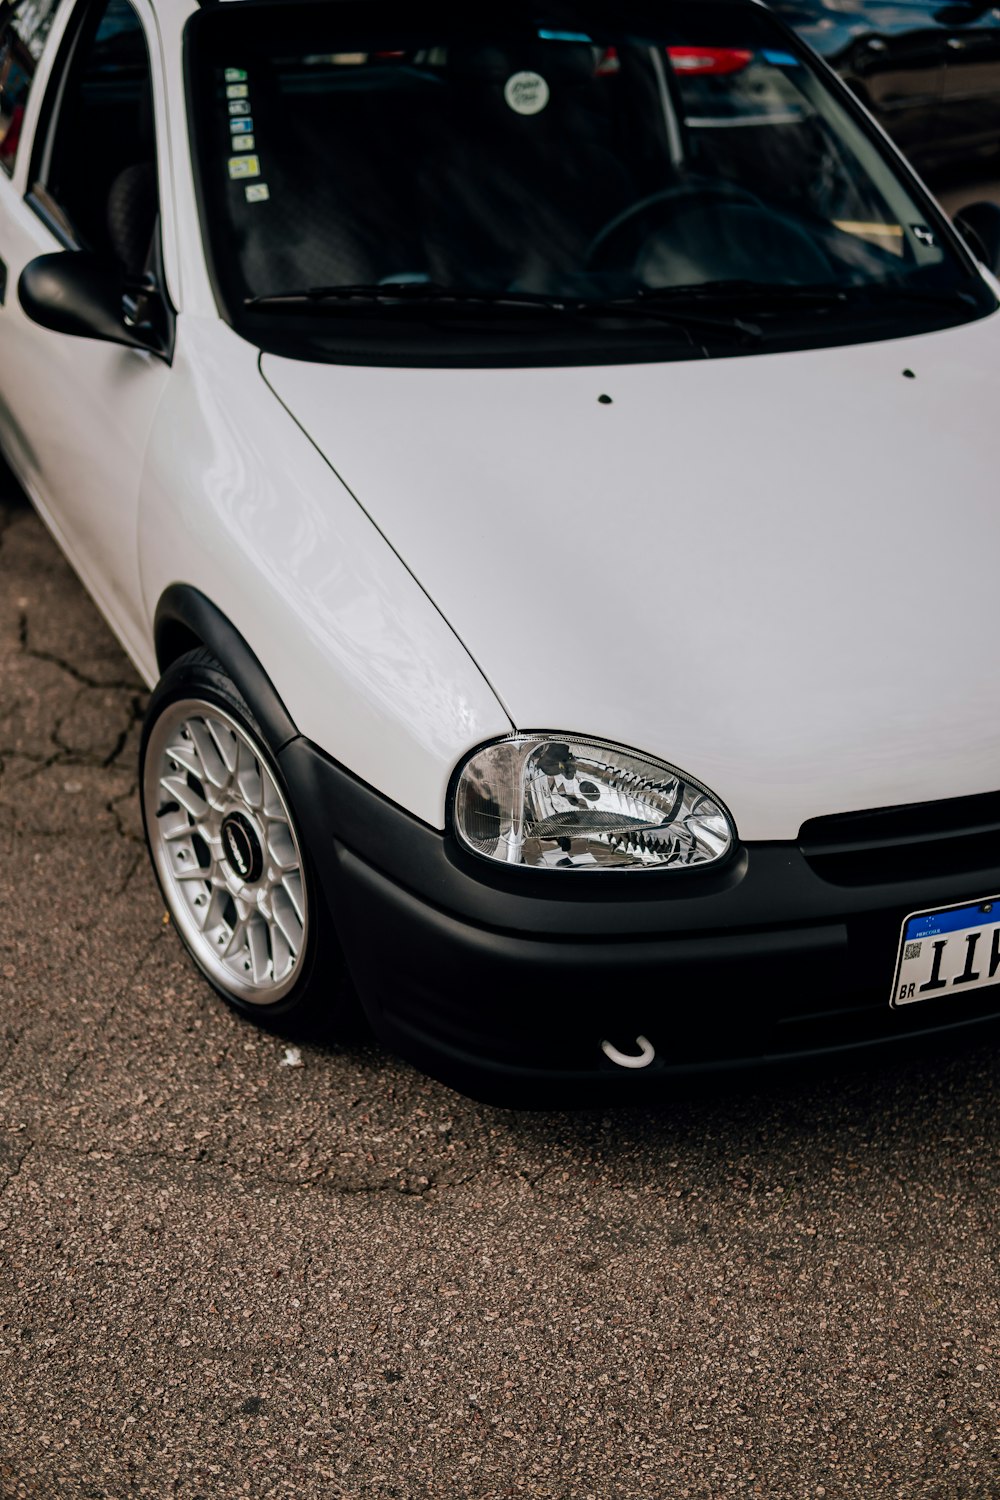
241, 847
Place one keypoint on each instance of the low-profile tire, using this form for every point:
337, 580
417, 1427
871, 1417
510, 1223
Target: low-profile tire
229, 856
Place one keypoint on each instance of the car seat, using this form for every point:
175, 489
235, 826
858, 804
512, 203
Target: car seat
131, 214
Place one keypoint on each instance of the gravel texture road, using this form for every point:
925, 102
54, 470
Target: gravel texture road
230, 1268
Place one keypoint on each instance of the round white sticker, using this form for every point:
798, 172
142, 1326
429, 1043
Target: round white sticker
526, 93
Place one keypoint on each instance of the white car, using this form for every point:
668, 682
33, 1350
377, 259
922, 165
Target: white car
559, 526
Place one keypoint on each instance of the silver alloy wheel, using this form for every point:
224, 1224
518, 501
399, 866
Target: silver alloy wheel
226, 851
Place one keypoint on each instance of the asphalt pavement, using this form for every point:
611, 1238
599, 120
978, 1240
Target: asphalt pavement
228, 1268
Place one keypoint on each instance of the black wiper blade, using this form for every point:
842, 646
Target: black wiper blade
394, 294
432, 297
760, 294
642, 304
928, 296
756, 293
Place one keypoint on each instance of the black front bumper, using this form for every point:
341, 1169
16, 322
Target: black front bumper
505, 983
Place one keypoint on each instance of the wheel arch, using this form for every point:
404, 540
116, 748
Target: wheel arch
186, 619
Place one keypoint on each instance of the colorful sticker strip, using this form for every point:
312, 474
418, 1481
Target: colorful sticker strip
245, 163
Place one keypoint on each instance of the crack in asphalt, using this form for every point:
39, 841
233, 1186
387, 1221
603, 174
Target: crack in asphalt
9, 753
220, 1170
71, 670
135, 716
111, 806
78, 756
69, 755
110, 1013
31, 764
37, 763
137, 863
11, 1178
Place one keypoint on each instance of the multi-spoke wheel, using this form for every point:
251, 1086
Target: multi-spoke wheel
223, 840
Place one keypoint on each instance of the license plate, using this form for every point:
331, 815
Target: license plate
948, 952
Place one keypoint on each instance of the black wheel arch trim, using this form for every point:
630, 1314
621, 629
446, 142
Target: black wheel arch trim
185, 619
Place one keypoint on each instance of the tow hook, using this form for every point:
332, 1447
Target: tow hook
630, 1059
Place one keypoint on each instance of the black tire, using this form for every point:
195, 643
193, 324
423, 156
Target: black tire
315, 991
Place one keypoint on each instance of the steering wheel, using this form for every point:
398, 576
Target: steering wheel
709, 187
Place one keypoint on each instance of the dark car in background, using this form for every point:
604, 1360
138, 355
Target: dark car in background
929, 73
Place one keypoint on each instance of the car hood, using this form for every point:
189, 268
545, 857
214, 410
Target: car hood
777, 572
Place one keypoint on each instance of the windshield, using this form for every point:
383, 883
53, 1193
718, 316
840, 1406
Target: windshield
597, 176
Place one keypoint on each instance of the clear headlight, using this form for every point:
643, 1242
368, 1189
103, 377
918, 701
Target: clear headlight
569, 804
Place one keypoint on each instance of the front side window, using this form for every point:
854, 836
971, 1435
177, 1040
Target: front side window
24, 30
98, 169
668, 180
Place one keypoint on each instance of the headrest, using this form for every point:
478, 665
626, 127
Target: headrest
131, 215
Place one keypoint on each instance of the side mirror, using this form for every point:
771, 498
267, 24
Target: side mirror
75, 292
979, 225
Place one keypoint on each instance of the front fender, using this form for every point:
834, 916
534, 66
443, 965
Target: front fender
321, 624
186, 619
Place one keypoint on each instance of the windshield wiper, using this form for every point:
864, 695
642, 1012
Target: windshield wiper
645, 304
761, 294
393, 294
928, 296
432, 297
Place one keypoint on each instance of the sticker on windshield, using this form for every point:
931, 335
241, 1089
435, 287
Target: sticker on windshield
237, 90
236, 75
257, 192
241, 127
243, 143
244, 166
526, 93
239, 106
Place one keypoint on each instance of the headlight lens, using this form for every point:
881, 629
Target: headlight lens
568, 804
